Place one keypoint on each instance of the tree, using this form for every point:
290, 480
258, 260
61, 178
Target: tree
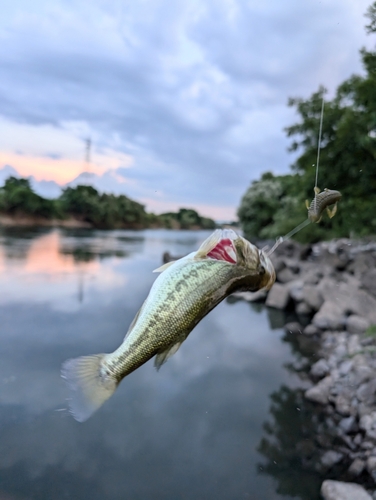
18, 198
347, 162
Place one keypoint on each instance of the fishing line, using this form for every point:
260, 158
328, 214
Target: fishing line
305, 223
319, 146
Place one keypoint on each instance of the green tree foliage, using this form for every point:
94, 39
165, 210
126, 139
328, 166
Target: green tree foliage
86, 204
102, 210
18, 198
186, 218
347, 162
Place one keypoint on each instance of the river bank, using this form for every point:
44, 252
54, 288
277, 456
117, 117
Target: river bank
331, 286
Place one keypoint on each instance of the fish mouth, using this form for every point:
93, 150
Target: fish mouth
222, 246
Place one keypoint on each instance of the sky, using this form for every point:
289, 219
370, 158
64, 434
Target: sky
185, 102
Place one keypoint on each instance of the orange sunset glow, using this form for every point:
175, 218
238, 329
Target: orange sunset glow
61, 170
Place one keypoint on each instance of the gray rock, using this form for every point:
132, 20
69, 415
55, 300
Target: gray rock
296, 290
313, 276
371, 467
330, 316
258, 296
285, 275
278, 297
366, 445
347, 297
356, 324
368, 423
343, 403
320, 368
345, 367
338, 490
358, 439
362, 372
311, 330
362, 264
303, 308
357, 467
347, 424
293, 327
319, 393
278, 263
312, 296
331, 458
366, 392
368, 281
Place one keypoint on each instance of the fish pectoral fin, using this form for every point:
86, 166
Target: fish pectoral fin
307, 204
163, 356
316, 190
164, 267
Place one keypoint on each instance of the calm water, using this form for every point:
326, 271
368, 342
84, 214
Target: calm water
221, 419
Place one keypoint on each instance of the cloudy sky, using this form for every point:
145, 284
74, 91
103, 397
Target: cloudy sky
185, 101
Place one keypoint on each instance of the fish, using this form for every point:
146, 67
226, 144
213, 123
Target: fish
183, 294
322, 201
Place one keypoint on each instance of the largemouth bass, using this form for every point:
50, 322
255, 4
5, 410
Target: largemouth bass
186, 291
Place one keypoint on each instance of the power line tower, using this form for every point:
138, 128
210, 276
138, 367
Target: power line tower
87, 154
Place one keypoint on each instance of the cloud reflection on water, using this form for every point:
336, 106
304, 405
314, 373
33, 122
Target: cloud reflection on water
189, 431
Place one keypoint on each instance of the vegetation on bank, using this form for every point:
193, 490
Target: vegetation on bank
86, 204
273, 205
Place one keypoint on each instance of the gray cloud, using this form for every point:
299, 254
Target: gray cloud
195, 92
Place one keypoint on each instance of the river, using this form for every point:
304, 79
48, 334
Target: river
223, 418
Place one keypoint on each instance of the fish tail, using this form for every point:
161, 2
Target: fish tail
90, 384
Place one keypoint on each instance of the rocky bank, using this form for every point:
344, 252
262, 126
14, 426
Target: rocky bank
332, 288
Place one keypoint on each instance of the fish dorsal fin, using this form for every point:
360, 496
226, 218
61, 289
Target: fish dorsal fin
164, 267
219, 246
163, 356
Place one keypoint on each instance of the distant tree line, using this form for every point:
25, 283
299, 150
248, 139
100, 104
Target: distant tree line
86, 204
273, 205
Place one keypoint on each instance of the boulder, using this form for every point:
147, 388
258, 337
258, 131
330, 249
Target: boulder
338, 490
293, 327
285, 275
366, 392
368, 281
343, 403
357, 467
312, 296
296, 290
258, 296
303, 308
347, 424
330, 316
311, 330
362, 263
320, 368
331, 458
278, 263
368, 424
319, 393
356, 324
278, 297
371, 466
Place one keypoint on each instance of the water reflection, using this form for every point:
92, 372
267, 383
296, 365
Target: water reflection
189, 431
